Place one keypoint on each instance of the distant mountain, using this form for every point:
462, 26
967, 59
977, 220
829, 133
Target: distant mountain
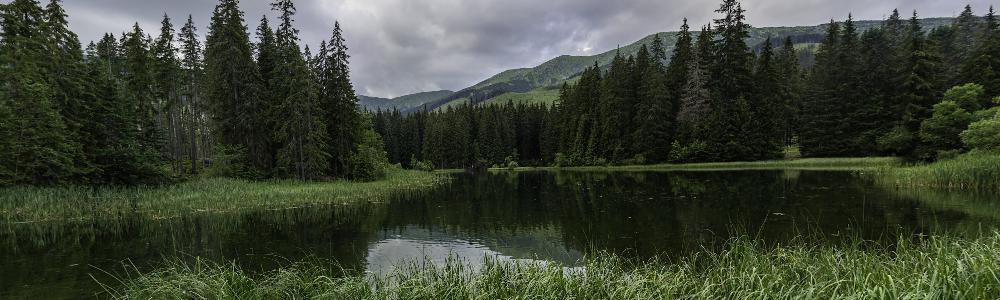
532, 81
403, 103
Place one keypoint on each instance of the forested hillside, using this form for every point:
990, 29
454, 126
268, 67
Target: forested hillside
407, 102
567, 67
891, 87
141, 110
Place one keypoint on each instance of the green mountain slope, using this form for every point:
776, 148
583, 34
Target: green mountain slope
526, 81
403, 103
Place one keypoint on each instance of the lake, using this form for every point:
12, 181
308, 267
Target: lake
560, 217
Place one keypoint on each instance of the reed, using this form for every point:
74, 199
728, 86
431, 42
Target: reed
974, 170
743, 268
23, 205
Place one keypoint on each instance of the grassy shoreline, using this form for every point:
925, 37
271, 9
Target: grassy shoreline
969, 171
20, 205
845, 164
934, 268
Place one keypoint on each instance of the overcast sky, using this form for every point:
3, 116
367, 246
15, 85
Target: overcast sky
400, 47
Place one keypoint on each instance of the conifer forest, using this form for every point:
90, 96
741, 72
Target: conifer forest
147, 108
150, 108
891, 90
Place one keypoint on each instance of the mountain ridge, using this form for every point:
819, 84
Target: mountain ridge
567, 67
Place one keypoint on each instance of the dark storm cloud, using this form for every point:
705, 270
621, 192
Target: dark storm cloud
400, 47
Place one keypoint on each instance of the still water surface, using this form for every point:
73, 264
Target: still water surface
547, 216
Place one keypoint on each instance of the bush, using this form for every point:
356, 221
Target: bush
696, 151
420, 165
512, 165
561, 160
983, 135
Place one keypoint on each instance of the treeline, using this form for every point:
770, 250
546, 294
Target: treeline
142, 110
877, 92
469, 136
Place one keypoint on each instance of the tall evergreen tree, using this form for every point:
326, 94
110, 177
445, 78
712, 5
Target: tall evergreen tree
301, 132
340, 101
191, 74
35, 141
230, 89
983, 67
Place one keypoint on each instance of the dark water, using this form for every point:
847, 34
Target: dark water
550, 216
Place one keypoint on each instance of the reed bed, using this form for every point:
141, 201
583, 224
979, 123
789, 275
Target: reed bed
743, 268
23, 205
976, 170
846, 164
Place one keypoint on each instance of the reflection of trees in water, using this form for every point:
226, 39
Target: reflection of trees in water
651, 213
70, 249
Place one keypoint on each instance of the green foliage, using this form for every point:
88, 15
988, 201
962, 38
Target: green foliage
369, 163
696, 151
940, 132
969, 97
423, 166
983, 135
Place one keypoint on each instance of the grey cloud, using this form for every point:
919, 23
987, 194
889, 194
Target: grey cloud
400, 47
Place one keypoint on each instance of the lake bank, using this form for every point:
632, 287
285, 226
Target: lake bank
967, 171
19, 205
838, 164
916, 267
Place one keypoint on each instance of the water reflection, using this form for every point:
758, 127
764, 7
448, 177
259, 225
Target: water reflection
549, 216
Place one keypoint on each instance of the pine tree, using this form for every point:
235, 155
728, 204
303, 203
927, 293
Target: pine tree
67, 77
677, 70
731, 82
301, 132
766, 106
35, 140
821, 113
191, 74
166, 70
788, 69
696, 102
340, 101
231, 95
984, 62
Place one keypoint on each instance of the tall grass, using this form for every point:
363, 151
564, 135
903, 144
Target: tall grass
20, 205
848, 164
934, 268
969, 171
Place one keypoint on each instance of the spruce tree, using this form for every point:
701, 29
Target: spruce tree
191, 74
301, 129
340, 101
231, 95
677, 69
766, 106
822, 115
984, 61
36, 143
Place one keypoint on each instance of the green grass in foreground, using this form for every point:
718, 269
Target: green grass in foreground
937, 268
971, 170
218, 195
806, 163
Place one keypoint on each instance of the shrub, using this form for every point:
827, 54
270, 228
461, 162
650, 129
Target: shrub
983, 135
